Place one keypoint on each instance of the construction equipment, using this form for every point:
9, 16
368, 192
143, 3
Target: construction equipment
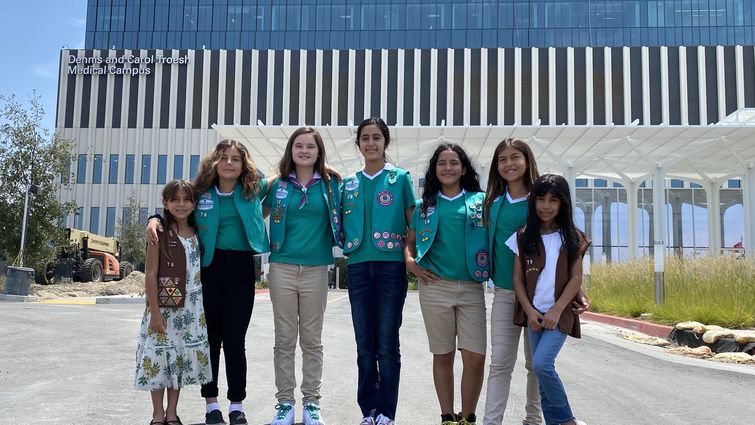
88, 258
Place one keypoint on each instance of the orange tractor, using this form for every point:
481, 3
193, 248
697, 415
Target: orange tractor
88, 258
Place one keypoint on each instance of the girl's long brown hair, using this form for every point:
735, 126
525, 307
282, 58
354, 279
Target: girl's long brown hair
287, 165
496, 184
171, 190
208, 175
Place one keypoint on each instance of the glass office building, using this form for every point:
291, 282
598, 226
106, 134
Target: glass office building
142, 98
394, 24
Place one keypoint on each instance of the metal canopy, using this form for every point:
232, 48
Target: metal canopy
633, 153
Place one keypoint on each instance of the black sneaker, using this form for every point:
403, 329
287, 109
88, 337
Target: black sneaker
214, 418
237, 418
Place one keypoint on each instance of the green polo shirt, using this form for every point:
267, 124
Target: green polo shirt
447, 256
231, 233
308, 239
367, 250
511, 217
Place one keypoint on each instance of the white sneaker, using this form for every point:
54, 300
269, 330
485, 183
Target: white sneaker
367, 420
284, 414
311, 415
383, 420
579, 422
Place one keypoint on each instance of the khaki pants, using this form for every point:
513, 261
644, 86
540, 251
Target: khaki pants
299, 295
504, 342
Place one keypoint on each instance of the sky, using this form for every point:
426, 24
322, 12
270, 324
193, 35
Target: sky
32, 33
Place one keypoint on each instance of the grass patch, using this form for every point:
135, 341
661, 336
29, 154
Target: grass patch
715, 290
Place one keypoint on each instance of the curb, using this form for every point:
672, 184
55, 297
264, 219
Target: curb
652, 329
19, 298
115, 299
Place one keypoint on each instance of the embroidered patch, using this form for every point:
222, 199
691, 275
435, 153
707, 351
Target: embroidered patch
385, 198
376, 235
352, 185
205, 204
477, 274
281, 193
386, 235
393, 236
481, 258
381, 244
389, 245
485, 275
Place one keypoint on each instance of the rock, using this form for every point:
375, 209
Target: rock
741, 358
705, 328
744, 336
702, 352
712, 336
685, 326
647, 340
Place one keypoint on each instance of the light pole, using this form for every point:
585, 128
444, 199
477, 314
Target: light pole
30, 190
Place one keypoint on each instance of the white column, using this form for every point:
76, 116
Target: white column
749, 207
631, 189
713, 194
659, 230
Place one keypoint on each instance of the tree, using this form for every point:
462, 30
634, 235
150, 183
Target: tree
131, 233
29, 155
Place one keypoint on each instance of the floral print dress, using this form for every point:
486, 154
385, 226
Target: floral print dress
181, 355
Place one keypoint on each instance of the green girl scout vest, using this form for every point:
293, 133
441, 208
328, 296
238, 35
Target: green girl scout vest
207, 217
475, 235
283, 191
388, 231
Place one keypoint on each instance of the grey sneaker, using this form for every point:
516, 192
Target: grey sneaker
237, 418
284, 414
311, 415
383, 420
367, 420
214, 418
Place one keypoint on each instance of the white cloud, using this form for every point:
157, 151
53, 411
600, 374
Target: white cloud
79, 22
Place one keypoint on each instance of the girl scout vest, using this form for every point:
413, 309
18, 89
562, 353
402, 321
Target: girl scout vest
475, 235
207, 217
388, 231
533, 265
171, 272
279, 208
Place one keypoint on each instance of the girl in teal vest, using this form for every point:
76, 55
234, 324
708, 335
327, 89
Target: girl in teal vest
513, 170
376, 206
451, 295
231, 231
304, 226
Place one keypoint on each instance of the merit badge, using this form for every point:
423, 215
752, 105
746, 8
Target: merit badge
385, 198
389, 245
386, 235
392, 177
481, 258
376, 235
485, 275
393, 236
398, 244
381, 244
478, 273
348, 245
281, 193
352, 184
205, 204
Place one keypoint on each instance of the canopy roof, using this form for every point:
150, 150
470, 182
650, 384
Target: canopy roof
618, 153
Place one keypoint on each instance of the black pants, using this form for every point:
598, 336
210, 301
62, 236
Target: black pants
228, 291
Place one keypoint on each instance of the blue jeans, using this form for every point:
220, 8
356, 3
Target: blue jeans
377, 290
545, 346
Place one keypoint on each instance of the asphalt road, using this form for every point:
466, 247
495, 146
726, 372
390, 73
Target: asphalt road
74, 364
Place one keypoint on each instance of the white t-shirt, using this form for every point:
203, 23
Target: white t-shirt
545, 290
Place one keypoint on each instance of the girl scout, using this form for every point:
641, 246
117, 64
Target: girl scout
304, 226
451, 296
376, 205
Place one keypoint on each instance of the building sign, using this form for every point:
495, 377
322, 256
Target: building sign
120, 65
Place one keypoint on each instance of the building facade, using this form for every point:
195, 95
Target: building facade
141, 99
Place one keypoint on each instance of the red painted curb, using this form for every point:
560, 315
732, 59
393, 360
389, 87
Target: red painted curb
652, 329
261, 291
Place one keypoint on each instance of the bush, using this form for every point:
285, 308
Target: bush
711, 290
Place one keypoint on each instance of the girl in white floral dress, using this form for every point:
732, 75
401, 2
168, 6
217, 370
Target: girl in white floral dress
172, 349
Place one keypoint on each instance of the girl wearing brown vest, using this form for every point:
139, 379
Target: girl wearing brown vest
547, 279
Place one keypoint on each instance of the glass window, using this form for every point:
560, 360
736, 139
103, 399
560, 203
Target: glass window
146, 160
600, 183
97, 169
735, 184
162, 168
130, 164
126, 219
94, 220
193, 166
178, 167
81, 168
677, 183
143, 214
580, 183
110, 221
78, 220
112, 177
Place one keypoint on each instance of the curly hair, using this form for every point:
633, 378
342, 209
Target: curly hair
208, 174
469, 180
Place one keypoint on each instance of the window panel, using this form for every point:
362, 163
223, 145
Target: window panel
178, 167
81, 169
146, 163
162, 168
97, 169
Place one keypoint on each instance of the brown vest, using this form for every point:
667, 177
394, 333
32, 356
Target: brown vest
532, 265
171, 273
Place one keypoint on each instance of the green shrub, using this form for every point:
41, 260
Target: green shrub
711, 290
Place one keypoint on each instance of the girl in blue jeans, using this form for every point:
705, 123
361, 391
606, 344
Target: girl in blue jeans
547, 278
376, 206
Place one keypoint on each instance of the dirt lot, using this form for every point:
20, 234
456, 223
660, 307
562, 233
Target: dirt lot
133, 284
